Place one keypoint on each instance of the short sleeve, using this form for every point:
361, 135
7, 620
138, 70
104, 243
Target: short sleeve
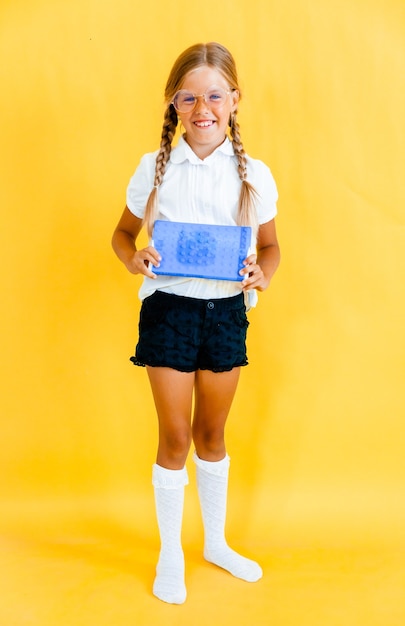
262, 179
140, 185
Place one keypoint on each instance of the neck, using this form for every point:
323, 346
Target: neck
201, 150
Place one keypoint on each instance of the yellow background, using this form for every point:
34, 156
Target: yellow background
317, 429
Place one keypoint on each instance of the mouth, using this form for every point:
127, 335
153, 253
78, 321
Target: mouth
204, 123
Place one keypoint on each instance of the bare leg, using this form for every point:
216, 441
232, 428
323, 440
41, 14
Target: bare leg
214, 393
172, 393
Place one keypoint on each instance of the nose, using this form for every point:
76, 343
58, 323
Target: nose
201, 102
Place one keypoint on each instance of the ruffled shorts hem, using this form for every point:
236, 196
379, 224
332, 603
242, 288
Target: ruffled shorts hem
135, 361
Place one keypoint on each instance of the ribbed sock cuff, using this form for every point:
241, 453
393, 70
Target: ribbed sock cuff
217, 468
169, 479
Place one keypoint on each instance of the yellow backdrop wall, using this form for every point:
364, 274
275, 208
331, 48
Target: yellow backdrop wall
317, 429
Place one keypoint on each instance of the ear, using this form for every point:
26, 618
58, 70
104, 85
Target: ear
234, 100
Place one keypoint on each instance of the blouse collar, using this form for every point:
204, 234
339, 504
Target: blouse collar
183, 152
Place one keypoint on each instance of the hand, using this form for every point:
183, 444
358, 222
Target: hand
139, 262
254, 277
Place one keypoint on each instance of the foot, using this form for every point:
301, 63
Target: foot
169, 585
236, 564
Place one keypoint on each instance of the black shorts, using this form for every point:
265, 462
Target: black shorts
188, 334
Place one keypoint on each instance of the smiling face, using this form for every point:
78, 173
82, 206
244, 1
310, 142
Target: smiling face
205, 126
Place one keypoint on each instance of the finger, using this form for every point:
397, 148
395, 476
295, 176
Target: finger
250, 260
154, 254
147, 270
249, 270
150, 255
253, 279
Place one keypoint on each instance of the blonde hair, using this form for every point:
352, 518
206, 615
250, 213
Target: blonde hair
217, 56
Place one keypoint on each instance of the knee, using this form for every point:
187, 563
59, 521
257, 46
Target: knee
176, 442
208, 440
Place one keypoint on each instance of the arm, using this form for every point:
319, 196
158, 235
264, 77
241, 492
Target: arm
259, 269
124, 246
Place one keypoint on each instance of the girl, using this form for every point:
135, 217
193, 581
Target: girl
192, 331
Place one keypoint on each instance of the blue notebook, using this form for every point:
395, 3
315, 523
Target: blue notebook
200, 250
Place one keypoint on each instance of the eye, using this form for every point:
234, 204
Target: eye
186, 98
216, 96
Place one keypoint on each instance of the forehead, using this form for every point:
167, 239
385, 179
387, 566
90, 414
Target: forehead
202, 77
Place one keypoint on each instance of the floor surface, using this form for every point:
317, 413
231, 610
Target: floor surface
61, 566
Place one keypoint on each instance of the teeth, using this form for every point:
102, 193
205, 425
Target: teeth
204, 124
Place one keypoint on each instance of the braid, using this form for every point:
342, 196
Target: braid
168, 132
248, 194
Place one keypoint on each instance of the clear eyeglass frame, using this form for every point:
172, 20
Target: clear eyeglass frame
185, 101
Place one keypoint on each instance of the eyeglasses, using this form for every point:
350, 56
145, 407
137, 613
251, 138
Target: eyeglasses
185, 101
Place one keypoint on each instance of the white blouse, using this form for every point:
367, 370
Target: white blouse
203, 192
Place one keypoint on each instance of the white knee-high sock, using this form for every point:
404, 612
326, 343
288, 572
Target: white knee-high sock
169, 584
212, 483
